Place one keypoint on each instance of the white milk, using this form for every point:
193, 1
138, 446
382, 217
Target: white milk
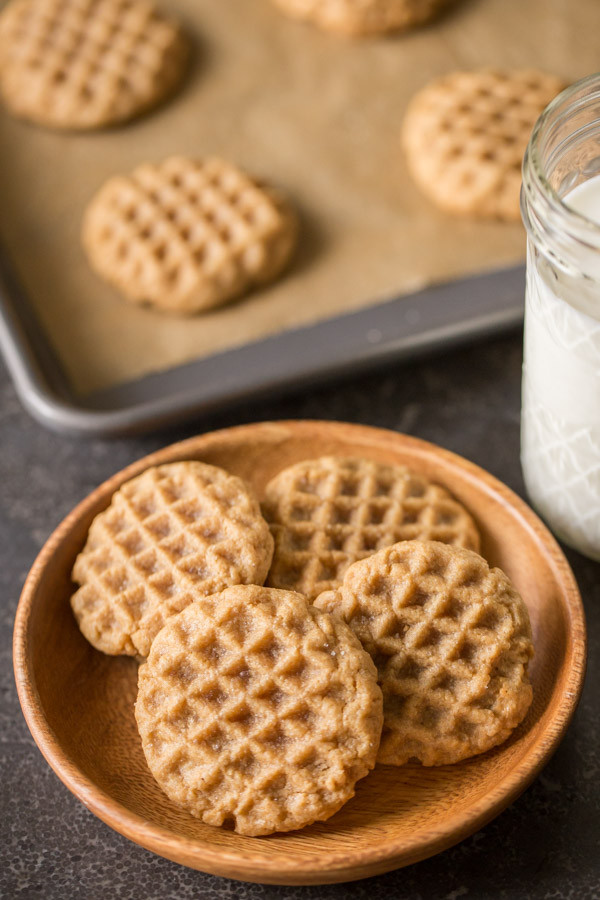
560, 431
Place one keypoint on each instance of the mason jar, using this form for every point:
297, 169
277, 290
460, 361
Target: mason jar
560, 420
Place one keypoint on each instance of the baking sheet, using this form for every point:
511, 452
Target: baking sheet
441, 316
316, 114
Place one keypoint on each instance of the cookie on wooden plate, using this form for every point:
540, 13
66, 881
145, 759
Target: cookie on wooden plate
87, 63
465, 135
451, 640
172, 534
186, 235
258, 711
359, 18
328, 512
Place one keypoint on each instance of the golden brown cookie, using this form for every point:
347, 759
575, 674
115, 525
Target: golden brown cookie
358, 18
172, 534
186, 236
465, 135
87, 63
326, 513
451, 640
258, 711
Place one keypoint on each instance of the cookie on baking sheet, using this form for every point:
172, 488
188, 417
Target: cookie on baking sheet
465, 135
358, 18
87, 63
258, 711
326, 513
175, 532
451, 640
186, 235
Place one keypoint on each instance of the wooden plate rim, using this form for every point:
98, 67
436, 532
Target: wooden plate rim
378, 858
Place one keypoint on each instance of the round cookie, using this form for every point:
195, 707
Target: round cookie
83, 64
326, 513
451, 640
186, 235
258, 711
465, 135
175, 532
360, 18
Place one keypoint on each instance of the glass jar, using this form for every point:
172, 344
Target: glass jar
560, 420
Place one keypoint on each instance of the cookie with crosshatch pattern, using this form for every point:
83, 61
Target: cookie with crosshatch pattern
326, 513
358, 18
170, 535
465, 134
451, 640
257, 710
185, 235
83, 64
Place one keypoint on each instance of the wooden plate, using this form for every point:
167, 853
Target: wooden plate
79, 703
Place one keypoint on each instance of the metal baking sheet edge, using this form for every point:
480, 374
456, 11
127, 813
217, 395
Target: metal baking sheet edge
437, 317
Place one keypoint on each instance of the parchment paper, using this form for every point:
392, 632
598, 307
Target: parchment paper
316, 114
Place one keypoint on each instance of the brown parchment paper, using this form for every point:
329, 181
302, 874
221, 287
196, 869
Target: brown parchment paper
316, 114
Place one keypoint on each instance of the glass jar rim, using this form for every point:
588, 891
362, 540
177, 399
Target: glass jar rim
547, 218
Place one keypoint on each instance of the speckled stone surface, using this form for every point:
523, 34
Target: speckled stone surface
547, 845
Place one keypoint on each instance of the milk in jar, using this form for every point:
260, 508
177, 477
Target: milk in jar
560, 421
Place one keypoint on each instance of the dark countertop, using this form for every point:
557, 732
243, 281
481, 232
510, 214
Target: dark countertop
547, 845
